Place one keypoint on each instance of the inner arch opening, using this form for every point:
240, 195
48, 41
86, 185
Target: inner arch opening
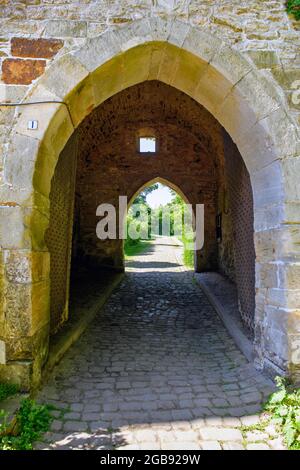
159, 215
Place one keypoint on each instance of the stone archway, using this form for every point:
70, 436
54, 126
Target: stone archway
163, 181
247, 104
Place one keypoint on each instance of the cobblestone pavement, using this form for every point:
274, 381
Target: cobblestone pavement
157, 370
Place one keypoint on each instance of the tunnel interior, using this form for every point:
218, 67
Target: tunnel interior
102, 160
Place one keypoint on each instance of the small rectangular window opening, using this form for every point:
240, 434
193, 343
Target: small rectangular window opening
147, 145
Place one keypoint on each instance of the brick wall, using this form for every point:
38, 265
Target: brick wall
110, 165
59, 233
241, 212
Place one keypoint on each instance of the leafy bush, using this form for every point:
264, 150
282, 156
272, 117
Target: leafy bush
293, 7
284, 405
31, 420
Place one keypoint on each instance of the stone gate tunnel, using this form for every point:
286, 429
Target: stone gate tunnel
213, 119
102, 161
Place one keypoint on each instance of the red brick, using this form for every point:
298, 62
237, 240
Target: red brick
35, 48
22, 71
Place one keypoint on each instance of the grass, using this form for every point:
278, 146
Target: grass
132, 249
188, 257
7, 390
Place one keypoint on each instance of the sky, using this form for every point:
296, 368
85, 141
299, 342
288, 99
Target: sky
162, 195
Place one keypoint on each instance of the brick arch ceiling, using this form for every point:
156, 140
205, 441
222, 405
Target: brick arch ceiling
151, 103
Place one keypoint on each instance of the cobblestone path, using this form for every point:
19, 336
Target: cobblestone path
156, 370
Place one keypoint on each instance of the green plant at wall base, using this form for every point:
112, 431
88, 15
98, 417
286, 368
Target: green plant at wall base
7, 390
31, 420
293, 7
284, 406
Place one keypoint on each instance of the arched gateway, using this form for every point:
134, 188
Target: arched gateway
237, 95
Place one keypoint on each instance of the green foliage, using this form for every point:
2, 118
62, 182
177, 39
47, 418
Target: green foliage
188, 255
7, 390
32, 420
141, 198
134, 247
178, 225
3, 423
284, 406
293, 7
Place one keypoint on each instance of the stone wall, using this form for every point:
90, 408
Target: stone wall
34, 33
250, 86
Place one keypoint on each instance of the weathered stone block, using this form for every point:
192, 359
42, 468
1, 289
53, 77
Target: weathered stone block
291, 212
43, 112
24, 268
97, 51
264, 59
20, 162
40, 306
231, 64
22, 71
35, 48
275, 334
261, 94
289, 275
291, 172
267, 275
12, 93
66, 28
189, 71
282, 131
131, 35
269, 217
267, 186
108, 80
2, 352
63, 76
160, 28
38, 223
212, 88
278, 244
18, 309
284, 297
201, 44
12, 234
236, 116
136, 65
19, 373
286, 77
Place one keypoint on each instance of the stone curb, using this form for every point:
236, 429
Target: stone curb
241, 340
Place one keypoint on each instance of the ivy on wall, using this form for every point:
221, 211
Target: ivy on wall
293, 7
